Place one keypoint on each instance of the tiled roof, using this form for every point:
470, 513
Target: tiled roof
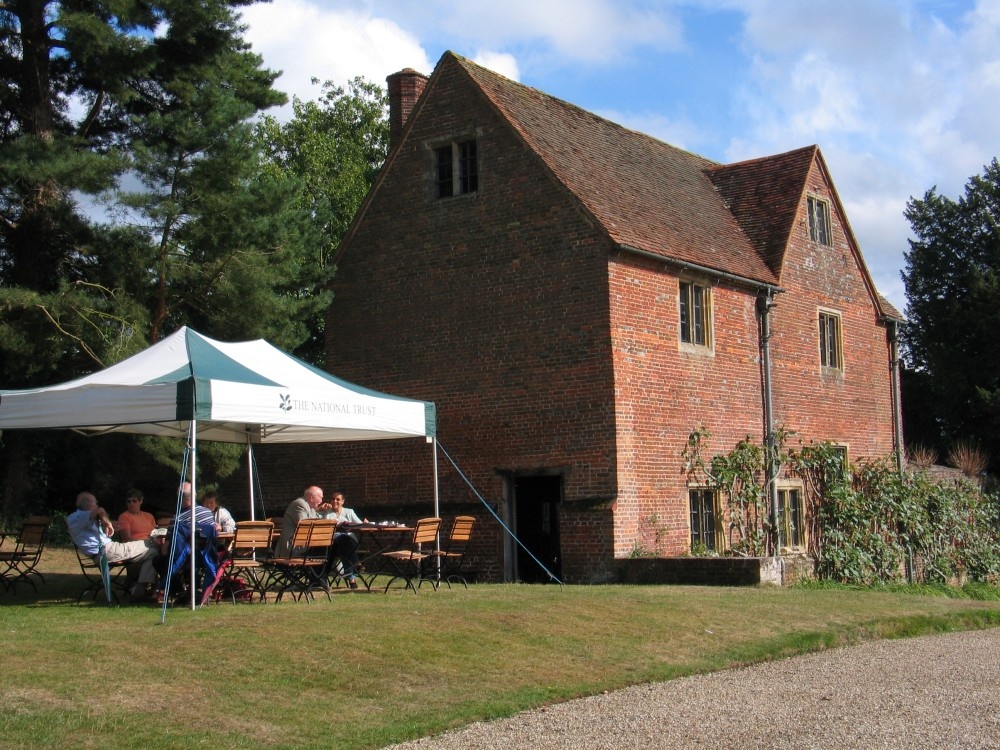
764, 194
645, 193
888, 309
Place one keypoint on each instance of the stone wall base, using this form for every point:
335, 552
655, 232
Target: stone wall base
714, 571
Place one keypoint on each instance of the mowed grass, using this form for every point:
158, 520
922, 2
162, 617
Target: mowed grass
367, 670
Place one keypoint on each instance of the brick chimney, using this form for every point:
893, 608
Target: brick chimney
405, 87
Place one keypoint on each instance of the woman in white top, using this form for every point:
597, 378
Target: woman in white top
223, 518
345, 544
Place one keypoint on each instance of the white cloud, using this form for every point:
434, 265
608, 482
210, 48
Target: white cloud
550, 32
305, 41
499, 62
903, 91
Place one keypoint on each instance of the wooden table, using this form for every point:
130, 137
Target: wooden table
373, 540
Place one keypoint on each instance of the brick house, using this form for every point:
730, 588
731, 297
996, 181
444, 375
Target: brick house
576, 298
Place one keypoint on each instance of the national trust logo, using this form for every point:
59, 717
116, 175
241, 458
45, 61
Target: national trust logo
286, 402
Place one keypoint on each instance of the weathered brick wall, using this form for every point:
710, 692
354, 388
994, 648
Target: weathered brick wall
494, 306
853, 408
587, 542
665, 389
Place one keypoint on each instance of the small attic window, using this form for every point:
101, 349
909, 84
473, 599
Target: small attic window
457, 166
819, 221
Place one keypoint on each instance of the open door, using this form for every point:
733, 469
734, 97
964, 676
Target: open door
536, 524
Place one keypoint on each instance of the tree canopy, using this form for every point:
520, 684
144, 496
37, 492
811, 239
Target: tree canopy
143, 188
334, 147
952, 277
142, 108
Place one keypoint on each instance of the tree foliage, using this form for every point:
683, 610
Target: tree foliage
332, 149
138, 194
144, 108
952, 277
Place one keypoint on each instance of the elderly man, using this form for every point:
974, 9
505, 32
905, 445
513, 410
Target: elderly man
302, 507
91, 530
204, 521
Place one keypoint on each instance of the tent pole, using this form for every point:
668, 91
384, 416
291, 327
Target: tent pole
193, 440
437, 507
173, 548
437, 511
250, 474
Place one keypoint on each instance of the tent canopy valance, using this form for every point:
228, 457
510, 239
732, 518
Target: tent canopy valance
242, 392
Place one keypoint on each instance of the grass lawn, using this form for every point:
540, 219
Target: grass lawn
367, 670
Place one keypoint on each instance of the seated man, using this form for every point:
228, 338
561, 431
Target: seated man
300, 508
177, 544
204, 521
91, 531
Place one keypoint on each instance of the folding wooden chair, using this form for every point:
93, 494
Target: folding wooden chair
20, 562
102, 577
449, 559
305, 567
276, 523
245, 561
407, 564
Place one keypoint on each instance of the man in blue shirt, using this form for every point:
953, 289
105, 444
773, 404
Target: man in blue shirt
91, 530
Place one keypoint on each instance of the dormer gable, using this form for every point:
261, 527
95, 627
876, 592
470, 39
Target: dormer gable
763, 194
790, 197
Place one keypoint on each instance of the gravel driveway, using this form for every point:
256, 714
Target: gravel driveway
939, 691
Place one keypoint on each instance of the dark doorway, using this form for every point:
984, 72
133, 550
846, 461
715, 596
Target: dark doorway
536, 524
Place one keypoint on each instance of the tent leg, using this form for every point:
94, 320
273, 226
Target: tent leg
194, 500
250, 476
437, 512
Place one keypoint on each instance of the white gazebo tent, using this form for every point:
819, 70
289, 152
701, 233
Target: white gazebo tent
250, 392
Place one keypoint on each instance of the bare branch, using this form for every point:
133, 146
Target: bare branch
82, 344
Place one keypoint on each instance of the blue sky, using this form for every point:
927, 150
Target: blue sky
900, 95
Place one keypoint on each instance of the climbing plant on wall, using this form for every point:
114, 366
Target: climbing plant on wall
866, 523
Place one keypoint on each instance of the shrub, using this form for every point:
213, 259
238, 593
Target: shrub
868, 524
922, 456
968, 457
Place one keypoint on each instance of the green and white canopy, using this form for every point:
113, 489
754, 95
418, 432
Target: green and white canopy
243, 392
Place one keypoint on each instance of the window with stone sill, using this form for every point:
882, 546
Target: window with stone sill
831, 347
791, 519
695, 314
706, 533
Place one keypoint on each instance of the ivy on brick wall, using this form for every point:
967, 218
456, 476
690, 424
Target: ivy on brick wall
740, 478
866, 523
